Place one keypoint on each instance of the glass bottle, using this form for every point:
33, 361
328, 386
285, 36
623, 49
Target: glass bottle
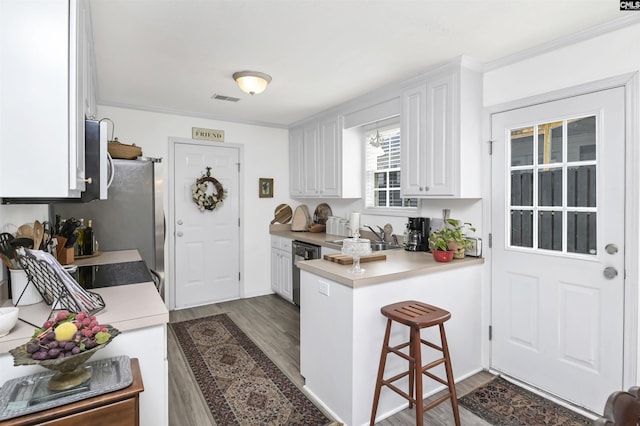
80, 240
88, 239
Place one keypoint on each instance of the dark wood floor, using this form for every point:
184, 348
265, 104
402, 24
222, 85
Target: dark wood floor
274, 325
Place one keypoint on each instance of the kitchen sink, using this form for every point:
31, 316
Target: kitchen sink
375, 245
379, 246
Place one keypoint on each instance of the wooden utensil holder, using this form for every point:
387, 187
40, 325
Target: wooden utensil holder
64, 254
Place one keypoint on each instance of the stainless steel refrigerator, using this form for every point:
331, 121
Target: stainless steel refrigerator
132, 216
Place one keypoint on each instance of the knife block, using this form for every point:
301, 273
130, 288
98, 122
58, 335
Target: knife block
64, 254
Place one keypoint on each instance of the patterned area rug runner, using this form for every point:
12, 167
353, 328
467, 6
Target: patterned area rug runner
241, 385
502, 403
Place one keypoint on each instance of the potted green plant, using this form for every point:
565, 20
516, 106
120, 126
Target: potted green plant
450, 241
439, 245
458, 242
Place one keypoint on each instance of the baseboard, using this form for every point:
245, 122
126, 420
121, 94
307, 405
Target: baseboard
322, 404
257, 294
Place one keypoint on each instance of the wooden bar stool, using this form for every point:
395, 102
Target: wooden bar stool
417, 316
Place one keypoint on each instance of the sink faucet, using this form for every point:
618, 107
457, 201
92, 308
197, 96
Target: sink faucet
380, 235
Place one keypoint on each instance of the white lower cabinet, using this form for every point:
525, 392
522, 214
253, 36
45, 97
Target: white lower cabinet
327, 250
281, 267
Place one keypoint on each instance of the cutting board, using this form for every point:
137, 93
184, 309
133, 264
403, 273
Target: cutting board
344, 259
301, 219
282, 214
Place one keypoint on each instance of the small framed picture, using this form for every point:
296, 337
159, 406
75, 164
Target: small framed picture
266, 188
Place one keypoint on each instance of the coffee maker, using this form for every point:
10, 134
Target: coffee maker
417, 234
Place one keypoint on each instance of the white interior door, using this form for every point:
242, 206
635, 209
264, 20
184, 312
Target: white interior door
207, 243
558, 245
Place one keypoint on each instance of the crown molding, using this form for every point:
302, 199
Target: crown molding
598, 30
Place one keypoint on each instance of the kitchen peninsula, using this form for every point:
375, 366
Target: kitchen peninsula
137, 310
341, 327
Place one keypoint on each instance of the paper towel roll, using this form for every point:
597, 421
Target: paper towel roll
354, 222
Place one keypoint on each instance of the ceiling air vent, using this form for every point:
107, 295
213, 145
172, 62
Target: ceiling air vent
224, 98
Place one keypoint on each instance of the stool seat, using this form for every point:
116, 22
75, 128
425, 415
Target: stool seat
416, 315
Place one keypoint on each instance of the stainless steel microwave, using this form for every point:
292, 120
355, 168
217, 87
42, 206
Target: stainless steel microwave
97, 161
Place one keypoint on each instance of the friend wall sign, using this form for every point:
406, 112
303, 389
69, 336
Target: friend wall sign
207, 134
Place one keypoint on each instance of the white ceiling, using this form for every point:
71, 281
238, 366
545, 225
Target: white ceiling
173, 55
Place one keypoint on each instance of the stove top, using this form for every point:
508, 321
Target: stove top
112, 274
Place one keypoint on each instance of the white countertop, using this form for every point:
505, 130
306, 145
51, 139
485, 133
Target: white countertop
318, 238
399, 263
127, 307
109, 257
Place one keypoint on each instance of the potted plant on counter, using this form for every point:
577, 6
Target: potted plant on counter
459, 243
439, 245
450, 241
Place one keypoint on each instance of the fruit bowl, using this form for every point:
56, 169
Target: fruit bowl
70, 367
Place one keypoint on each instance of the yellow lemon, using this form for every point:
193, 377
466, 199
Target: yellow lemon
65, 331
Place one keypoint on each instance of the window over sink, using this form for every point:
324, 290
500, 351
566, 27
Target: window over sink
382, 169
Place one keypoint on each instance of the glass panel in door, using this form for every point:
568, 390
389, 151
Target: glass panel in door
552, 186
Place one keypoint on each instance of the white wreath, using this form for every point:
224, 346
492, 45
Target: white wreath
200, 196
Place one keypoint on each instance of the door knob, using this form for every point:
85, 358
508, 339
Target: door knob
179, 234
180, 222
610, 272
611, 248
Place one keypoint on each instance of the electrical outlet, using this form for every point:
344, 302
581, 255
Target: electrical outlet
435, 224
323, 288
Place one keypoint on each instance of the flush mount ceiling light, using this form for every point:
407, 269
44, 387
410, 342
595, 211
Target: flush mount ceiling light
252, 82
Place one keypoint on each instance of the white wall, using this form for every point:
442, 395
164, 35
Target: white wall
604, 56
467, 210
266, 155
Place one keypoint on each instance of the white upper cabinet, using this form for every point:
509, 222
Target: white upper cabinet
441, 135
441, 146
45, 74
330, 156
316, 160
414, 128
87, 84
296, 139
311, 160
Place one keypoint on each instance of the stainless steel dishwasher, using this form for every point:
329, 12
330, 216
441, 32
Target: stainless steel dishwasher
301, 251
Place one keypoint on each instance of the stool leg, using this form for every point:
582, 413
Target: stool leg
417, 372
383, 361
412, 368
452, 385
